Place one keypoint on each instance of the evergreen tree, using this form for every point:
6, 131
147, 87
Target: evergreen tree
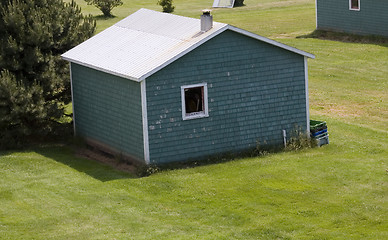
21, 108
34, 80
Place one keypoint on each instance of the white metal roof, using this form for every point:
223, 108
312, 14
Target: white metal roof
223, 3
146, 41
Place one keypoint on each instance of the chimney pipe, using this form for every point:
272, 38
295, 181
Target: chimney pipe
206, 20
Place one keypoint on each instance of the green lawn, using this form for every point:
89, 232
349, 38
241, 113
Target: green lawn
339, 191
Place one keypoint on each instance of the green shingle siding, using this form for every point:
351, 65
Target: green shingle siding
254, 91
108, 109
372, 19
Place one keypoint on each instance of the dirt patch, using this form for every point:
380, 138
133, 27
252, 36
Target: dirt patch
107, 159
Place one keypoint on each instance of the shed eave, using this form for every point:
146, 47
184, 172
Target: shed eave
101, 69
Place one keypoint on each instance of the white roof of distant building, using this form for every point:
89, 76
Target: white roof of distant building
223, 3
146, 41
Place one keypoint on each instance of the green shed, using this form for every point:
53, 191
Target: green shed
363, 17
159, 88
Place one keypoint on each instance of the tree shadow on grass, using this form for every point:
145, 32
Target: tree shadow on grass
346, 37
103, 17
69, 157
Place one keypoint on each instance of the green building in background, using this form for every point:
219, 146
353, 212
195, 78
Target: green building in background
363, 17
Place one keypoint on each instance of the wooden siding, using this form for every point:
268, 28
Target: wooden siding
372, 19
255, 90
107, 109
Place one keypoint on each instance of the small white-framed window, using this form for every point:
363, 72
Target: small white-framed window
194, 101
354, 5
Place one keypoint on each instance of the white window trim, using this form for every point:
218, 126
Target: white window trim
355, 9
202, 114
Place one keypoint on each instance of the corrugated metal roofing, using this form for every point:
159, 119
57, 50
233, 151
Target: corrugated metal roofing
223, 3
146, 41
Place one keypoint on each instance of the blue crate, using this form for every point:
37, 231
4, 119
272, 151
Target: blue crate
319, 133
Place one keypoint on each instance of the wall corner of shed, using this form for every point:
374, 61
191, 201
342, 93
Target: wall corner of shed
145, 121
307, 95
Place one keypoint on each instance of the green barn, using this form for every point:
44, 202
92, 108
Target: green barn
363, 17
158, 88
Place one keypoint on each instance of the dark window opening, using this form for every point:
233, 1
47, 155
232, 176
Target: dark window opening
194, 100
355, 4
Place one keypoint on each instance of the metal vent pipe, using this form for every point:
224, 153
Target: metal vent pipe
206, 20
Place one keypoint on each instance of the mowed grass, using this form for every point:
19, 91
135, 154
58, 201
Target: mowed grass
339, 191
335, 192
348, 81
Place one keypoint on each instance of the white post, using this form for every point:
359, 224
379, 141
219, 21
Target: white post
285, 138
